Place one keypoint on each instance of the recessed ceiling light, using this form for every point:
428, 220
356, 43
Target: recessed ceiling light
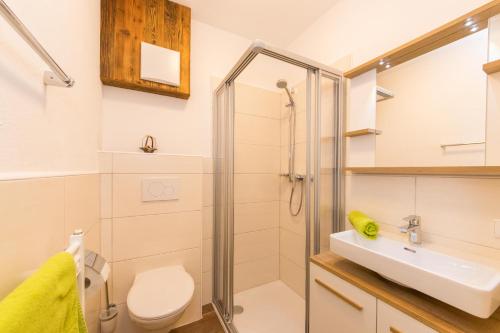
381, 62
474, 28
388, 66
468, 23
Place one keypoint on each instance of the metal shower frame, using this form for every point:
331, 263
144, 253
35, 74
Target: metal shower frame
315, 71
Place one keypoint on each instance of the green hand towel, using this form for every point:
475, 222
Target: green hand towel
46, 302
364, 225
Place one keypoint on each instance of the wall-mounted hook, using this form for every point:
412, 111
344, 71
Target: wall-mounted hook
148, 144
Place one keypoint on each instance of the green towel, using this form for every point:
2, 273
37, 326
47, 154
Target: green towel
364, 225
46, 302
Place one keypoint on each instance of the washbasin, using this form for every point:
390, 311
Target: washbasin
466, 285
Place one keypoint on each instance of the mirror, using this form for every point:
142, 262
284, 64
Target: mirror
437, 115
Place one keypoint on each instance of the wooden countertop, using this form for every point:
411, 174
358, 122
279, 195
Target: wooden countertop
433, 313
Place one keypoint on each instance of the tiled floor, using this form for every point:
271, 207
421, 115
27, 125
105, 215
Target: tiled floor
270, 308
209, 323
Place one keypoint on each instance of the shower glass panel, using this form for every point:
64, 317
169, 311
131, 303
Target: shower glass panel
277, 187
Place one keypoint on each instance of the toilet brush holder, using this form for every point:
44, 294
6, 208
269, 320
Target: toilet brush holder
109, 318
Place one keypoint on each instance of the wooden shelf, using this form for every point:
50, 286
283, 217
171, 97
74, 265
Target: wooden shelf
446, 170
435, 39
361, 132
492, 67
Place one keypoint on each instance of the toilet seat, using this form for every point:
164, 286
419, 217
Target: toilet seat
160, 293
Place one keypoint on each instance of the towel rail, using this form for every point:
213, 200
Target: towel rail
49, 78
77, 250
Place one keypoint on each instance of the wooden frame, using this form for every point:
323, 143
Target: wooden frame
435, 39
492, 67
361, 132
127, 23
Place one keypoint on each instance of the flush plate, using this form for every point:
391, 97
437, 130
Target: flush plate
160, 189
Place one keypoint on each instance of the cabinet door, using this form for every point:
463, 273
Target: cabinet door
337, 306
391, 320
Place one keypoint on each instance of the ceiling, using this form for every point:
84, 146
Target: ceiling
277, 22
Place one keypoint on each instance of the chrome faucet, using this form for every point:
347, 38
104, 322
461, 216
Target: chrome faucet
412, 229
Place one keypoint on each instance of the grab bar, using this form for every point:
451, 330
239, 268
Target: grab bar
48, 77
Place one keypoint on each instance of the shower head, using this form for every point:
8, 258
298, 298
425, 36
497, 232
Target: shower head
282, 84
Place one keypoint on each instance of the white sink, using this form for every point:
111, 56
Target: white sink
471, 287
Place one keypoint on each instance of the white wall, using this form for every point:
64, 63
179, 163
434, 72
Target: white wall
50, 129
181, 127
368, 28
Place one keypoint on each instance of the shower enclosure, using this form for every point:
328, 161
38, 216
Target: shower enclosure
277, 186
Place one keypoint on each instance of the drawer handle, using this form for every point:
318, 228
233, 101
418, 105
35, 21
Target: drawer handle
341, 296
394, 330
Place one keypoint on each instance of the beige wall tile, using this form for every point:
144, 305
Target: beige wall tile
106, 196
255, 273
293, 276
124, 271
208, 222
82, 202
257, 101
256, 245
460, 208
207, 288
256, 159
127, 195
141, 236
32, 225
107, 239
208, 165
191, 314
296, 224
386, 199
207, 251
256, 130
208, 190
92, 239
156, 163
256, 188
105, 162
293, 247
255, 216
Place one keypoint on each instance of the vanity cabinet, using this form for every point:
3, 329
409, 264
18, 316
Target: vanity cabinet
336, 306
391, 320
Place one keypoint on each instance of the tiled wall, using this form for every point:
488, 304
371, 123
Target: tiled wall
457, 212
256, 187
37, 217
139, 236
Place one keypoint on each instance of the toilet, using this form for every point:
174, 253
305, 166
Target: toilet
159, 297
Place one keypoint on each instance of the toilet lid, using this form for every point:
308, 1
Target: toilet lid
160, 292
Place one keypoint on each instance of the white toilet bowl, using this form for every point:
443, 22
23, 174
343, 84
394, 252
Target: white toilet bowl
159, 297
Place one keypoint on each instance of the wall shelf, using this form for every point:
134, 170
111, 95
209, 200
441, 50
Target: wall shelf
492, 67
361, 132
444, 35
444, 171
384, 94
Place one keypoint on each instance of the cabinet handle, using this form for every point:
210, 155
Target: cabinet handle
341, 296
394, 330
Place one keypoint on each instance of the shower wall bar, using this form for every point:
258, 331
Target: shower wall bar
55, 78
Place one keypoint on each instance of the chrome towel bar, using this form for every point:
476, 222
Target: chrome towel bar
462, 144
55, 78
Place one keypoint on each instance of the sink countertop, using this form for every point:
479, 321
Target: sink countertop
431, 312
